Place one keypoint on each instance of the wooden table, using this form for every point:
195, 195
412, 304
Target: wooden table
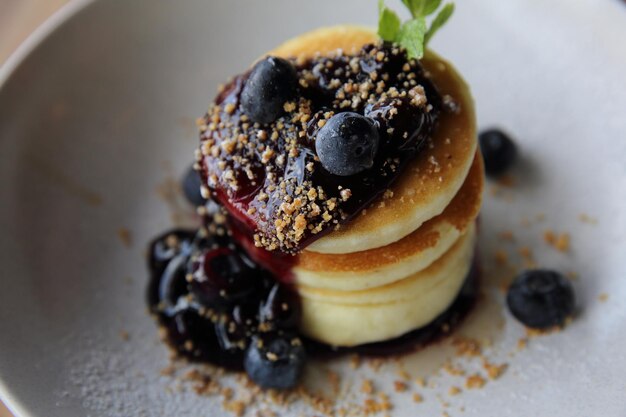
18, 18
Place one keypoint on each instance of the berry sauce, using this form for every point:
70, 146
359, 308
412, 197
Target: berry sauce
210, 297
268, 175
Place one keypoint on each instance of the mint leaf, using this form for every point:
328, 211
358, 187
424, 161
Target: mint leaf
430, 6
411, 37
409, 5
439, 21
421, 8
388, 23
415, 7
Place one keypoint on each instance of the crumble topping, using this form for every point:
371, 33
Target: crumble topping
271, 174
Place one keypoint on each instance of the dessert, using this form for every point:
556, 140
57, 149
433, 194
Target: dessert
381, 257
344, 182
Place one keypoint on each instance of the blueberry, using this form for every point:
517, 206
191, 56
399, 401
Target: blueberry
541, 298
347, 144
191, 187
169, 254
272, 82
197, 338
246, 313
498, 150
230, 335
169, 245
410, 125
190, 333
275, 360
281, 308
221, 276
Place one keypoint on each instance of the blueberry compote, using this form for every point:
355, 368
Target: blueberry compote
213, 300
264, 168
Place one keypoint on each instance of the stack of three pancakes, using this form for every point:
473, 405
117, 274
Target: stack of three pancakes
402, 261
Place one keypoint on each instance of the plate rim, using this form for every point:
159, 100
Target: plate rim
7, 69
38, 36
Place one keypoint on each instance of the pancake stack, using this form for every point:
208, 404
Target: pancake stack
402, 261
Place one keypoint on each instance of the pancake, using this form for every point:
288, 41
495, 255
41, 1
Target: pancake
380, 266
431, 181
402, 262
350, 318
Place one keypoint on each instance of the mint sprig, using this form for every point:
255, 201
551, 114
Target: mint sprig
414, 34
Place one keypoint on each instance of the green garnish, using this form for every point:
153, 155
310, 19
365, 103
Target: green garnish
414, 34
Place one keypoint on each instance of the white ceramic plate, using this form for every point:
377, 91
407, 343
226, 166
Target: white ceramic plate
96, 113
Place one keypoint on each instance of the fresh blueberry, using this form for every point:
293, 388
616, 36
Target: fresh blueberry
541, 298
191, 187
347, 144
498, 150
272, 82
281, 308
221, 276
274, 360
